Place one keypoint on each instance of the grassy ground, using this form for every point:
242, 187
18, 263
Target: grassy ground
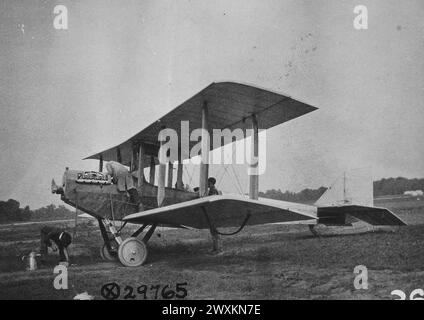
262, 262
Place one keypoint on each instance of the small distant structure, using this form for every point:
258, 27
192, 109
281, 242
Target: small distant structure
412, 193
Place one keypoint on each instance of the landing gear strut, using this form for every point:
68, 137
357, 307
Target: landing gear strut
131, 252
109, 250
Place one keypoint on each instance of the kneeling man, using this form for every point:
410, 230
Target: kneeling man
55, 238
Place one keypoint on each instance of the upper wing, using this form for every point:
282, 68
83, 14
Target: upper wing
229, 105
224, 211
372, 215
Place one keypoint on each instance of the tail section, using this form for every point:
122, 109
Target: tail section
350, 197
352, 188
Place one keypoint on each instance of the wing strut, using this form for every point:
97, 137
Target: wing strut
204, 164
180, 184
254, 162
162, 171
101, 163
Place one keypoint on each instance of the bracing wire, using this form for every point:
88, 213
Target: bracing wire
222, 175
237, 179
235, 185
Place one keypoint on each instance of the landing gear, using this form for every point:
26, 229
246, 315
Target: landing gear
132, 252
109, 250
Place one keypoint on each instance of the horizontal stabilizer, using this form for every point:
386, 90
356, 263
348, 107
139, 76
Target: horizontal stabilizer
372, 215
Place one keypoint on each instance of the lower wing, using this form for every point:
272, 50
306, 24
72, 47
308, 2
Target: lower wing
225, 211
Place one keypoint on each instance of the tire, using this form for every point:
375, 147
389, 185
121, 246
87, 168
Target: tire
132, 252
109, 256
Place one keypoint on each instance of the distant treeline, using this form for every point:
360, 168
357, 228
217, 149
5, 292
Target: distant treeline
306, 195
10, 211
396, 186
383, 187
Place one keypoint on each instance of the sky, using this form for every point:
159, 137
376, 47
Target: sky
67, 94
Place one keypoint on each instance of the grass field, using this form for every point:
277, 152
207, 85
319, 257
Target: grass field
262, 262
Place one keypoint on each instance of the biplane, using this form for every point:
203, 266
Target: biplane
224, 105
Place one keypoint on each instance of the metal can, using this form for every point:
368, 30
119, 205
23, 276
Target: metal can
31, 261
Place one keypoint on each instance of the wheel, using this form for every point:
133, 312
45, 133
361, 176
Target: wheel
109, 256
132, 252
106, 255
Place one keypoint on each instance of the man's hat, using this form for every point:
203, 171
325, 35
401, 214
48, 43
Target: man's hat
212, 180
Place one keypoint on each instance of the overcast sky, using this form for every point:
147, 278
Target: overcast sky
66, 94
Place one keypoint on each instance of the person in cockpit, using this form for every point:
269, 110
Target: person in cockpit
211, 185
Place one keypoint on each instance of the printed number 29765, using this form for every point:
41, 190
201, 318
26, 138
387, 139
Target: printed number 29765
156, 291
